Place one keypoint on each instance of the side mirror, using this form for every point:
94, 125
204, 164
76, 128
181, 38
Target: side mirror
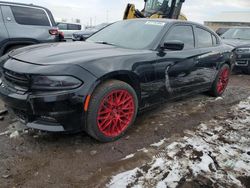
174, 45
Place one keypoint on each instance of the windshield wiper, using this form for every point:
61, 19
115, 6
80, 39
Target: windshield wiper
103, 42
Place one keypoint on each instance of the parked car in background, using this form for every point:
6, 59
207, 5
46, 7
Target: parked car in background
69, 28
23, 24
83, 35
99, 85
239, 38
221, 31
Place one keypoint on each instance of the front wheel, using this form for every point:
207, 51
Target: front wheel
220, 84
112, 110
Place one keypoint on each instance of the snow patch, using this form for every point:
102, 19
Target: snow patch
158, 144
218, 151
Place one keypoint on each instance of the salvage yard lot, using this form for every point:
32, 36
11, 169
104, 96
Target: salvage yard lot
37, 159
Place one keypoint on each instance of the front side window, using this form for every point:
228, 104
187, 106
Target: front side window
182, 33
154, 6
133, 34
204, 38
30, 16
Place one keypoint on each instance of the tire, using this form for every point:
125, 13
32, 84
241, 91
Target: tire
108, 120
220, 83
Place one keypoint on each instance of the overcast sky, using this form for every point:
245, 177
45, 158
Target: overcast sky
102, 10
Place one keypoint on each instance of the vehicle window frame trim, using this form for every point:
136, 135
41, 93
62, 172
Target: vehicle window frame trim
26, 6
170, 29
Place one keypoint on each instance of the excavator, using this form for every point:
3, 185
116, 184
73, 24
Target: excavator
156, 9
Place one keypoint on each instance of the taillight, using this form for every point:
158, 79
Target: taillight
53, 31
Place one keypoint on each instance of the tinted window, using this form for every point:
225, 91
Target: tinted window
30, 16
62, 26
74, 27
134, 34
204, 38
183, 34
237, 33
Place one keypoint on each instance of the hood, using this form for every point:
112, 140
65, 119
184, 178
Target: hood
237, 42
86, 32
78, 53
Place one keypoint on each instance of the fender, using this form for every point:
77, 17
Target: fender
16, 41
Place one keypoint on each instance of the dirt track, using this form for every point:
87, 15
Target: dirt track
54, 160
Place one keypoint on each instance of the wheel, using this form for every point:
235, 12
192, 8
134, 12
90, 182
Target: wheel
221, 81
112, 110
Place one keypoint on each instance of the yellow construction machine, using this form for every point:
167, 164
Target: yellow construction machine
156, 9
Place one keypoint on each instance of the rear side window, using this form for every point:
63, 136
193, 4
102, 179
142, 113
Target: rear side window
204, 38
182, 33
74, 27
30, 16
62, 26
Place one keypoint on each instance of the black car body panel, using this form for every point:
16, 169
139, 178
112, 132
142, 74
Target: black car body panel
242, 56
156, 75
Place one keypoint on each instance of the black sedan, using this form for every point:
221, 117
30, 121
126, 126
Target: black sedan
239, 39
99, 85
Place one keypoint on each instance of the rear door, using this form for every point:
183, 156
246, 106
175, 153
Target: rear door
180, 70
23, 22
3, 32
210, 51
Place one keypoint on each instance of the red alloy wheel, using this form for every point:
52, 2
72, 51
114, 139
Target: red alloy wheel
223, 80
115, 112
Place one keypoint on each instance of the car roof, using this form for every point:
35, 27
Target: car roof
172, 21
22, 4
239, 27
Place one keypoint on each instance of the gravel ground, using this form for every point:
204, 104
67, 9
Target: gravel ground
36, 159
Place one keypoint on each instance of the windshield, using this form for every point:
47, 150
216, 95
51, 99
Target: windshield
100, 26
237, 33
154, 6
133, 34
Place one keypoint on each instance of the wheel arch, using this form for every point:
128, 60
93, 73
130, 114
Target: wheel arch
125, 76
11, 43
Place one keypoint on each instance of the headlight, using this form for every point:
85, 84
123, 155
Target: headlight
54, 82
243, 50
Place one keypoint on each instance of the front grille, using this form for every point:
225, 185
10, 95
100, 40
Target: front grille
19, 81
242, 62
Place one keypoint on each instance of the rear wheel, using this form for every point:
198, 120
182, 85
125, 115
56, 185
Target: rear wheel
112, 110
221, 81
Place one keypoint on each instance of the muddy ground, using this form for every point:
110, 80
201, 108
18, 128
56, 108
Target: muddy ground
33, 159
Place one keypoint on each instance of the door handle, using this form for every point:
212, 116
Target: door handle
8, 18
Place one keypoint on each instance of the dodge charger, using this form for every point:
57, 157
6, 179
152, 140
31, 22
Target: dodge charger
98, 86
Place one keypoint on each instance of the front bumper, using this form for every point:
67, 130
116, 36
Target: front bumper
54, 112
242, 62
